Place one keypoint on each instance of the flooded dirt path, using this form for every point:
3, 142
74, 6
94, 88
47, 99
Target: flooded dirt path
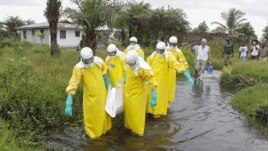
201, 119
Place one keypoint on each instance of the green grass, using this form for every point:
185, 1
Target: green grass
254, 69
250, 99
32, 91
7, 139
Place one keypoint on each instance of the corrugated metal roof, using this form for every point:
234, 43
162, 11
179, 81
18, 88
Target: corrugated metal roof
45, 25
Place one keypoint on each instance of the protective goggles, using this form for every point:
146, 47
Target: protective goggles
160, 51
132, 42
112, 53
88, 60
131, 63
172, 44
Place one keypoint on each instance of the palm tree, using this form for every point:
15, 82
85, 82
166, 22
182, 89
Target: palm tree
91, 14
12, 22
52, 13
233, 20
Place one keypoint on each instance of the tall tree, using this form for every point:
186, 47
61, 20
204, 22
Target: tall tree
91, 14
201, 28
12, 22
137, 16
29, 22
53, 13
265, 33
175, 22
247, 30
150, 25
233, 20
164, 23
157, 24
119, 21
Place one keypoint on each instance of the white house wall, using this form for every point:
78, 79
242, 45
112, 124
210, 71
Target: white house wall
29, 36
34, 38
71, 40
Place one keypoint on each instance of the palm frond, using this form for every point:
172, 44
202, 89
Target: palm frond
220, 24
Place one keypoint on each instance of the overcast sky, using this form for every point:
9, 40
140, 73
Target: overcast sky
196, 10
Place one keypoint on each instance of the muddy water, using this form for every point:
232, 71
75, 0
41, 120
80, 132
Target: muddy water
201, 119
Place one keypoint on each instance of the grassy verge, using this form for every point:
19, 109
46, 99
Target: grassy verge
250, 81
32, 92
250, 100
254, 69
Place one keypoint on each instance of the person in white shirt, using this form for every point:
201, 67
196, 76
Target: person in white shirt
243, 52
255, 51
202, 56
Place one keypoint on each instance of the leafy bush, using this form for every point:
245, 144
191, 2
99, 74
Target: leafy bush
4, 34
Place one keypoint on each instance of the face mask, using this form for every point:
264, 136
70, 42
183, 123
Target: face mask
134, 65
173, 45
112, 54
160, 51
88, 62
132, 43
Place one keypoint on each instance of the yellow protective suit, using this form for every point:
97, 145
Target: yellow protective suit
115, 69
161, 66
178, 55
135, 98
96, 120
138, 49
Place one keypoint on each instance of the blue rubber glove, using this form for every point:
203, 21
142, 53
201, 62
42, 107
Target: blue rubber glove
153, 99
68, 108
107, 81
189, 79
